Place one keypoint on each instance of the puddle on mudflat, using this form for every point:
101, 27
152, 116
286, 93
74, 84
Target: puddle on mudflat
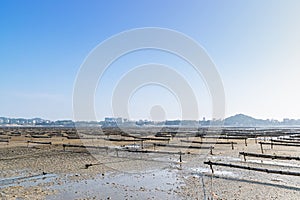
27, 181
163, 184
223, 158
200, 170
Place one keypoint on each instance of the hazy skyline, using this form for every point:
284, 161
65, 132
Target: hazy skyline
255, 46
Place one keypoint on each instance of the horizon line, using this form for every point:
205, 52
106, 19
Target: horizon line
103, 119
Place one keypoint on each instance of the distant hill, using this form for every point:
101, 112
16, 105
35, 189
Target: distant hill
244, 120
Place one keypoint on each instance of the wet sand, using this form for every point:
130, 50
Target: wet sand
36, 171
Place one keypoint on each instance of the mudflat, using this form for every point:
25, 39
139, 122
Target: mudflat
65, 163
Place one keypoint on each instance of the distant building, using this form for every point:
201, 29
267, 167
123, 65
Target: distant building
113, 119
173, 123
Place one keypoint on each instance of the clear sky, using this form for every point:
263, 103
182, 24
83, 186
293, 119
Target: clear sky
255, 45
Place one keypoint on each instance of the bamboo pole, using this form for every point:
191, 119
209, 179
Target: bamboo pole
4, 140
252, 168
199, 142
37, 142
279, 144
182, 146
269, 156
82, 146
284, 141
122, 140
158, 152
157, 139
213, 143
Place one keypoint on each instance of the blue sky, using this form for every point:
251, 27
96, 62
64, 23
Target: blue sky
254, 44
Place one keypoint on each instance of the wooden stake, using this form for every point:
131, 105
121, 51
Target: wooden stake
180, 159
210, 165
271, 145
